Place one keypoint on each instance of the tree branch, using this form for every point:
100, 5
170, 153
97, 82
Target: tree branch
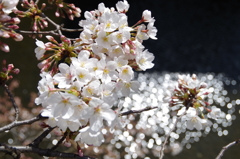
60, 141
226, 147
42, 152
13, 102
39, 139
137, 111
24, 122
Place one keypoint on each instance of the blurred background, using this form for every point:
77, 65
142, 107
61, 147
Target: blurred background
193, 37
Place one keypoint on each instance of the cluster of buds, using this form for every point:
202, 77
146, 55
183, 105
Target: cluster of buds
56, 53
65, 9
6, 70
8, 24
35, 13
83, 79
190, 92
187, 98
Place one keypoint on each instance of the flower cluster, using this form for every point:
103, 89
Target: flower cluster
93, 72
187, 98
6, 70
8, 24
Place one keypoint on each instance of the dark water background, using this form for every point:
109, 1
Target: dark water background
193, 36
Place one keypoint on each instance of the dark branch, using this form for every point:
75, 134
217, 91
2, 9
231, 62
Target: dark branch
42, 152
60, 141
226, 147
24, 122
39, 139
137, 111
13, 102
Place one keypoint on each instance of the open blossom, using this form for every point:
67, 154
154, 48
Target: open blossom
215, 113
101, 111
192, 120
40, 50
9, 5
90, 137
122, 6
144, 60
66, 76
147, 16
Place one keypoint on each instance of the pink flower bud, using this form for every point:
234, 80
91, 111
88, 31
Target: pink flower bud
67, 144
45, 23
35, 28
43, 6
60, 5
4, 47
16, 20
18, 37
58, 132
10, 67
16, 71
4, 18
13, 26
43, 125
80, 153
71, 17
57, 14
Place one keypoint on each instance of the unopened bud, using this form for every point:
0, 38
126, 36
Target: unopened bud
35, 28
45, 23
203, 85
77, 14
4, 18
16, 20
43, 6
16, 71
13, 27
4, 47
62, 37
71, 17
194, 76
10, 67
43, 125
18, 37
67, 144
57, 14
60, 5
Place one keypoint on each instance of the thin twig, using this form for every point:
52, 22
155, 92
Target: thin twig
58, 27
226, 147
13, 102
71, 30
60, 141
39, 151
52, 32
137, 111
24, 122
167, 137
39, 139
